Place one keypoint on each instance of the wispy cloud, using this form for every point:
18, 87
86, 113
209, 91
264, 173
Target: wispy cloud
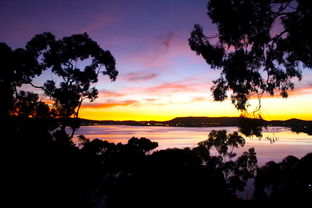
300, 91
110, 104
182, 91
199, 99
172, 87
157, 54
150, 99
166, 40
100, 22
154, 61
295, 92
182, 86
140, 76
110, 94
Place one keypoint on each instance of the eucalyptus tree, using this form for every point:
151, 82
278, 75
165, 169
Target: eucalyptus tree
76, 63
260, 47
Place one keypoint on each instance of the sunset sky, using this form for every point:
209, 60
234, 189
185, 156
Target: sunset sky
159, 76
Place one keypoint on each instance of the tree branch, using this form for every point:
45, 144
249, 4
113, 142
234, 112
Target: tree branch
213, 36
35, 86
282, 8
275, 38
77, 112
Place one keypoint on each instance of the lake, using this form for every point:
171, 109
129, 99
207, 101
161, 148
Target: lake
287, 142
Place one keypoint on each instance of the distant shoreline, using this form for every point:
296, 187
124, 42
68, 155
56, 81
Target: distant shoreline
296, 125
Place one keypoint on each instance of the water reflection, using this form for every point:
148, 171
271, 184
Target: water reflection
285, 142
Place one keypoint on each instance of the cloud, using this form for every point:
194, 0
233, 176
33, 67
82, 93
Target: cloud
166, 40
198, 99
156, 54
149, 59
172, 87
159, 90
100, 22
295, 92
191, 85
150, 99
186, 85
299, 91
139, 76
110, 94
110, 104
153, 61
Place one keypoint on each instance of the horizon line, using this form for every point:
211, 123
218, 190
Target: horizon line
195, 117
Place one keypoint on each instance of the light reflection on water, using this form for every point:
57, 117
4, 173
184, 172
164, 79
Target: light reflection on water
287, 142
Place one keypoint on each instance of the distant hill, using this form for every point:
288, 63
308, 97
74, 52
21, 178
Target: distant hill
205, 122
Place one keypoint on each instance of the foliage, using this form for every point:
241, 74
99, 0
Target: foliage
222, 142
259, 48
251, 127
219, 153
97, 172
64, 57
17, 67
76, 61
287, 180
27, 104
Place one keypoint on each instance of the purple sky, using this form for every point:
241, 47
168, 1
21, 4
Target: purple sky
149, 40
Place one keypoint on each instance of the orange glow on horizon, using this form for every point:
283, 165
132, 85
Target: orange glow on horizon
275, 108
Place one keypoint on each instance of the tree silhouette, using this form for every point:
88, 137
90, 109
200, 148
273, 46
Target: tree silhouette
33, 133
27, 104
222, 143
286, 181
260, 46
77, 60
251, 127
17, 67
217, 152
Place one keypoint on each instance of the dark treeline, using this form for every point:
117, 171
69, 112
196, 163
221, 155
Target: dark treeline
41, 166
45, 169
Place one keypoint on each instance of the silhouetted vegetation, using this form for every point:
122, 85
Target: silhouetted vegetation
286, 181
260, 46
70, 88
43, 167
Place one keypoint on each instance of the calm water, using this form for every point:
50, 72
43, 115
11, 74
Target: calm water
288, 143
